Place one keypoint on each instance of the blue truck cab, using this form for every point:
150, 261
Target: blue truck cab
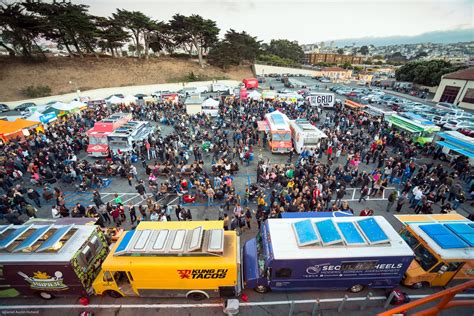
296, 254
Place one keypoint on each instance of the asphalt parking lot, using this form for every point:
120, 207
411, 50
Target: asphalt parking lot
269, 304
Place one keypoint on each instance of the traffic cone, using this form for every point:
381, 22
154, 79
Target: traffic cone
84, 301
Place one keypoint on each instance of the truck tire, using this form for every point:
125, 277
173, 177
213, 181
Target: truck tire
197, 296
46, 295
417, 285
356, 288
261, 289
113, 294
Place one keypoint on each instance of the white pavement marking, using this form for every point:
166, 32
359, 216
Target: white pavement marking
153, 306
353, 194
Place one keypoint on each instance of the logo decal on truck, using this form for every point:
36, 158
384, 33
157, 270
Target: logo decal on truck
42, 281
202, 274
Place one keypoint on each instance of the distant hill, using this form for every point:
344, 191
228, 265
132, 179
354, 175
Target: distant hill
89, 73
443, 37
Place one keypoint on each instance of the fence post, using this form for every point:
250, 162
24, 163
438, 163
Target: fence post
389, 299
339, 309
315, 308
367, 299
292, 307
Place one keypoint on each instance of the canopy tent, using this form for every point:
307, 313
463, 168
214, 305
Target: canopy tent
43, 118
115, 100
78, 104
129, 99
210, 102
61, 106
10, 130
254, 95
269, 94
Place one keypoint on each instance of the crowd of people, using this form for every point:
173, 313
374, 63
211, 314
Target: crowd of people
199, 159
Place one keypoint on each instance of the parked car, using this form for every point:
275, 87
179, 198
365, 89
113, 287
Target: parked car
4, 108
447, 106
440, 120
158, 94
457, 124
466, 131
22, 107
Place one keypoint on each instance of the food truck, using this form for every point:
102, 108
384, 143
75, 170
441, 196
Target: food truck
305, 135
325, 253
422, 131
443, 246
250, 83
354, 104
50, 259
122, 139
193, 259
98, 144
279, 132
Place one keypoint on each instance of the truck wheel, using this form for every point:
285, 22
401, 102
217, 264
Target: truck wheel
417, 285
196, 296
356, 288
46, 295
114, 294
261, 289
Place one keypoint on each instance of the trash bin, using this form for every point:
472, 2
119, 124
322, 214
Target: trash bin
231, 306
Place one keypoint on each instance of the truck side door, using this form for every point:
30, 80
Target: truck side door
445, 272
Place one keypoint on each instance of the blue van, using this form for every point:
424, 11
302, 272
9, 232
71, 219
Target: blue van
325, 253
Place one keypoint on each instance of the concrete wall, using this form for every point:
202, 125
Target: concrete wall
463, 84
105, 92
261, 70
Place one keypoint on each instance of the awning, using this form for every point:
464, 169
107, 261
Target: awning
262, 126
456, 149
97, 148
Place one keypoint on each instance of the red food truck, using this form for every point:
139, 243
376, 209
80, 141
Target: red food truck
250, 83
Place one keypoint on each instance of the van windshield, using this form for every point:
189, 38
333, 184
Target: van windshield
410, 239
425, 258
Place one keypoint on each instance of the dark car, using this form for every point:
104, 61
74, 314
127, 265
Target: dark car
4, 108
466, 131
24, 106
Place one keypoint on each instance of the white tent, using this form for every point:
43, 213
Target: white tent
115, 100
34, 117
254, 95
210, 102
62, 106
77, 104
129, 99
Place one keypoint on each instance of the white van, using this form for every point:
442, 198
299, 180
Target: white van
202, 89
219, 87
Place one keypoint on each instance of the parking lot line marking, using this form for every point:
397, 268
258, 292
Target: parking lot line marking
353, 194
203, 305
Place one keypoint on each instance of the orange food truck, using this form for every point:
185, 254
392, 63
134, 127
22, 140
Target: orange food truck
279, 132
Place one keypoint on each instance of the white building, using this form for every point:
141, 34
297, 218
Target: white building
457, 88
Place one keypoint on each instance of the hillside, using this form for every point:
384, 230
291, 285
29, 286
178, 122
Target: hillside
90, 73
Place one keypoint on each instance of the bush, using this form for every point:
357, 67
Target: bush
36, 92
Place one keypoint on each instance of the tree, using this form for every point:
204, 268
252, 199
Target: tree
138, 24
20, 30
67, 24
340, 51
285, 49
235, 49
364, 50
194, 33
111, 35
425, 72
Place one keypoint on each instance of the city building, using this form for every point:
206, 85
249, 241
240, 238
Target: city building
457, 88
315, 58
334, 73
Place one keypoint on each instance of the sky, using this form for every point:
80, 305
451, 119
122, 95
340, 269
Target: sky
309, 21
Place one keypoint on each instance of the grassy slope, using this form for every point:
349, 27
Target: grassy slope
90, 73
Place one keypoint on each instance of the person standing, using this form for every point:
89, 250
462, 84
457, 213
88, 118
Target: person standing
391, 200
132, 212
210, 195
141, 189
402, 199
34, 196
248, 217
363, 194
97, 199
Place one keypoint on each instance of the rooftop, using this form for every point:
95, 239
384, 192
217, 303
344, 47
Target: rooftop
464, 74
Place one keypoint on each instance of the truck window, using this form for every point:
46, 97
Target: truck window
283, 273
425, 258
452, 266
410, 239
108, 276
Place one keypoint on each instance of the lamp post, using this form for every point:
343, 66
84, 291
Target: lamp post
78, 91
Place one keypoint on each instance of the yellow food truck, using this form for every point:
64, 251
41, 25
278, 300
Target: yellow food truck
443, 246
195, 259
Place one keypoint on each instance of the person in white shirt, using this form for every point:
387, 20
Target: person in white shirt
55, 212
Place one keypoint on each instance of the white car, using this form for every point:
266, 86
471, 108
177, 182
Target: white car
440, 120
447, 106
457, 124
